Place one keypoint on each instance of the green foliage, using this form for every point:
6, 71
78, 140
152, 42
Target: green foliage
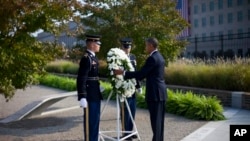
140, 99
64, 83
103, 68
223, 75
108, 89
194, 106
138, 19
184, 104
21, 55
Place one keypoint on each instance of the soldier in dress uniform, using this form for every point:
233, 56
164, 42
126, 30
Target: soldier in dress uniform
128, 124
88, 88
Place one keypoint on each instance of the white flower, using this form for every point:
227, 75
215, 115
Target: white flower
120, 77
118, 84
111, 73
115, 58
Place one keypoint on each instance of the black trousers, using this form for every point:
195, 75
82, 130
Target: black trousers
157, 113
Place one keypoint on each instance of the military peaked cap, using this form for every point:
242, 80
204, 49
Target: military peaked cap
93, 38
126, 42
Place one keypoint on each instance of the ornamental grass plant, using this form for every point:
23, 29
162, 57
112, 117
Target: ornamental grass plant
231, 75
62, 66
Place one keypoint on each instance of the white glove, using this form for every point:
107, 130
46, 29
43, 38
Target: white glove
139, 90
83, 103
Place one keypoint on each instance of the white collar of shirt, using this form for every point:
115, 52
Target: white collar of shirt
153, 52
91, 52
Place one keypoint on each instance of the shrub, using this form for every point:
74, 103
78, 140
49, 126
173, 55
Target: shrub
62, 66
68, 67
103, 69
194, 106
64, 83
185, 104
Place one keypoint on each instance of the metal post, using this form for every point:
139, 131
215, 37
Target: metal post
118, 116
86, 110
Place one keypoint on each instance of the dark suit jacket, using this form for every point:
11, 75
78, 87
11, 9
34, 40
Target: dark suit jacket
153, 71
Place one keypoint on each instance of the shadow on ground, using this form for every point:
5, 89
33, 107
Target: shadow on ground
39, 125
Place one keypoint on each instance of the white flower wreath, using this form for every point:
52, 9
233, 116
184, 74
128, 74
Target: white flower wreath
117, 59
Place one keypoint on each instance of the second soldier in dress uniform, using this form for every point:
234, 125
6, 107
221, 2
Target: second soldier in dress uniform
88, 88
126, 44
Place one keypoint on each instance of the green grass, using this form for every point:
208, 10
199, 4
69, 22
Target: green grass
185, 104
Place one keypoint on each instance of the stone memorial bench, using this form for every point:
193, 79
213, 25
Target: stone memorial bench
39, 107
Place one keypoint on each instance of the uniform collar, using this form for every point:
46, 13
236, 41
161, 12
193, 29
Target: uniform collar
91, 52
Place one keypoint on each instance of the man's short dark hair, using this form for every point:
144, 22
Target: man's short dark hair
152, 41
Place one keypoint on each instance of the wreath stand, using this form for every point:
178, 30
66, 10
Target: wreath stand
102, 134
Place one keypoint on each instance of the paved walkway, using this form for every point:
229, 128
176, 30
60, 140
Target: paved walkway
67, 125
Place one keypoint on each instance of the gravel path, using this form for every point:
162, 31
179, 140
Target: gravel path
67, 125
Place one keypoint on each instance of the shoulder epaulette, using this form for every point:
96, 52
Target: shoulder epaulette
85, 55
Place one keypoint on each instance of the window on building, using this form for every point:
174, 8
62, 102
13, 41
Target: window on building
229, 3
220, 33
230, 34
248, 15
203, 7
196, 9
248, 34
203, 22
211, 20
220, 4
203, 36
240, 33
230, 17
211, 36
239, 16
211, 6
239, 2
220, 19
240, 53
196, 23
212, 53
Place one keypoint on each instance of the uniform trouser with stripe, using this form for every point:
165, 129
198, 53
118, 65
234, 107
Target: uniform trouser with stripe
94, 120
127, 119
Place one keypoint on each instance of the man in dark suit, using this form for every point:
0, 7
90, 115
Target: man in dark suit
153, 71
128, 124
88, 88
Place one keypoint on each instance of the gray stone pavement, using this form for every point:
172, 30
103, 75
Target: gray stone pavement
67, 125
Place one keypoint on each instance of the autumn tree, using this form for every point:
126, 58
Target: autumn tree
138, 19
21, 55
